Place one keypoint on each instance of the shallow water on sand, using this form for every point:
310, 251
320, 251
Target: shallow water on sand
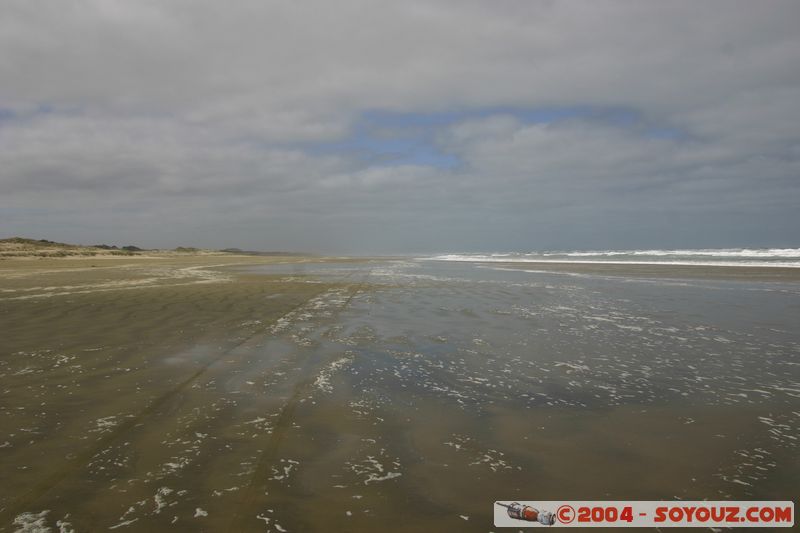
409, 396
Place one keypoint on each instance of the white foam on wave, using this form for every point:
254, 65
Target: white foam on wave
768, 253
776, 257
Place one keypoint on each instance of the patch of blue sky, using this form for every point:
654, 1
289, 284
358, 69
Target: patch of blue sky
6, 115
389, 147
390, 138
400, 120
666, 133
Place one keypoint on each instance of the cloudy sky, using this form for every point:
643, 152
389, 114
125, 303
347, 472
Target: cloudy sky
375, 126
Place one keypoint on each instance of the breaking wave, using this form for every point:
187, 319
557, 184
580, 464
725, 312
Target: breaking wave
778, 257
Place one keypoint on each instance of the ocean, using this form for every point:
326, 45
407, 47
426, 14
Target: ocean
780, 257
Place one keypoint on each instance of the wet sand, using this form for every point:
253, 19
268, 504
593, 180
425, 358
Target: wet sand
102, 359
382, 395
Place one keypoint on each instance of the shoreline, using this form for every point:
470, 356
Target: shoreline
656, 270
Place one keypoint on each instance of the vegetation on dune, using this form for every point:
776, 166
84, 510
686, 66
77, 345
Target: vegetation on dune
34, 242
43, 248
24, 247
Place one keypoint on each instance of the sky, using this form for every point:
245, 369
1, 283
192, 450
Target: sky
401, 127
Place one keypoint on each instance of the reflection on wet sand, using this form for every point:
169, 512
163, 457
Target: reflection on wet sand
388, 395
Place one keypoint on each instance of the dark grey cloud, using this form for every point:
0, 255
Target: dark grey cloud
198, 122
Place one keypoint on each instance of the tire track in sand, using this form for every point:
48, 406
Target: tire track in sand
282, 425
24, 501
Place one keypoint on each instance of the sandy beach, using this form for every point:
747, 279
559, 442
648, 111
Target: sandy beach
100, 353
236, 393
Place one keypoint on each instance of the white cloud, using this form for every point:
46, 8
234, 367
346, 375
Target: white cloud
200, 113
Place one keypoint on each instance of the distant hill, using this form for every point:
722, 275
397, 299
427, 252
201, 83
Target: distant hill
21, 241
239, 251
24, 247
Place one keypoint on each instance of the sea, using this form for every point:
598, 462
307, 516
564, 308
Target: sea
779, 257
